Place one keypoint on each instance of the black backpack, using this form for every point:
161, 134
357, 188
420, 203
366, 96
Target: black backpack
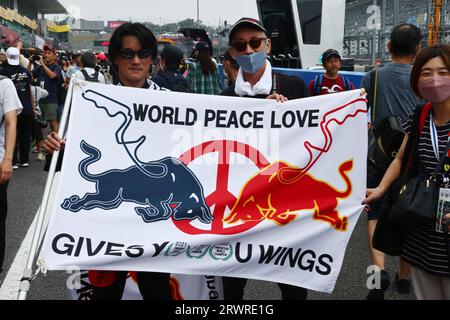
176, 81
87, 77
386, 138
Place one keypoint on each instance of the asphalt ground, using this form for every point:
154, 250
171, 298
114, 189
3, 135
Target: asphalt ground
24, 196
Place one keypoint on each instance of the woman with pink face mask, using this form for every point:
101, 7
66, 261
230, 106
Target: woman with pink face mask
425, 247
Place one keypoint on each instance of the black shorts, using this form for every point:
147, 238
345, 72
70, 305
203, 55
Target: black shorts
373, 180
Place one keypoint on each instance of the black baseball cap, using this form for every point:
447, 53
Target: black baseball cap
249, 22
202, 46
173, 56
330, 53
76, 54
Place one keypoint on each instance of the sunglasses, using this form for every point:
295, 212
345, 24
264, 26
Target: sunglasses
254, 43
130, 54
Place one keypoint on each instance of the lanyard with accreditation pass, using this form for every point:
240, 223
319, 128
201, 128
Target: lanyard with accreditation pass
443, 207
435, 144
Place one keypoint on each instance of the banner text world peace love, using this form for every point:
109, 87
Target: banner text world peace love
226, 118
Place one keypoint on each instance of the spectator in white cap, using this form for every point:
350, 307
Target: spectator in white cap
22, 79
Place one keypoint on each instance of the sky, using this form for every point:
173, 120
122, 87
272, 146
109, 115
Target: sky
162, 11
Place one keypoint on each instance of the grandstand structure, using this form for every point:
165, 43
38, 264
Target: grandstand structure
23, 20
366, 37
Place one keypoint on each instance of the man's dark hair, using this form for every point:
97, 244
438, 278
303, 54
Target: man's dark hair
88, 60
228, 57
173, 57
405, 38
146, 39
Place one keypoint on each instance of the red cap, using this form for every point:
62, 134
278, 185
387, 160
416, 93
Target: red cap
47, 48
102, 56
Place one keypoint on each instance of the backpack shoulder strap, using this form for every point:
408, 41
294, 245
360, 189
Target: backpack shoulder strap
85, 74
318, 80
346, 83
410, 159
373, 90
94, 77
423, 117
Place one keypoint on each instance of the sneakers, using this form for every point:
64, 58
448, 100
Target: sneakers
403, 286
378, 294
15, 167
24, 165
40, 156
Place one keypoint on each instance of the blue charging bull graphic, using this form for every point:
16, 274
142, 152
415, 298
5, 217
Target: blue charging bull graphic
174, 191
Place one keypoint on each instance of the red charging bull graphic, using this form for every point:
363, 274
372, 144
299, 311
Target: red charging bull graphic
278, 192
267, 197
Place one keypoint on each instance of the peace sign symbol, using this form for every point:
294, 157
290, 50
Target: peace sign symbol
221, 198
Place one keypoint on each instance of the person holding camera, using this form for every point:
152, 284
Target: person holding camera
390, 94
21, 78
49, 75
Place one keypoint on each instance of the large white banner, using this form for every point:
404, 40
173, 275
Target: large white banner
204, 185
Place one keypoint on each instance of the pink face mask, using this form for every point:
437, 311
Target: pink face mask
435, 89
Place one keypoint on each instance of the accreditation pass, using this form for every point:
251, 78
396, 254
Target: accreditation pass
443, 208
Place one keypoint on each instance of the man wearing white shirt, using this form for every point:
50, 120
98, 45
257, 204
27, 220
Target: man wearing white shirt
88, 63
10, 107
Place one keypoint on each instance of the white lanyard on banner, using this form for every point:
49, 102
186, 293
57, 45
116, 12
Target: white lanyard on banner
434, 138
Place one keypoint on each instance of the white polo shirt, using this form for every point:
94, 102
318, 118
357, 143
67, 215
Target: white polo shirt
9, 102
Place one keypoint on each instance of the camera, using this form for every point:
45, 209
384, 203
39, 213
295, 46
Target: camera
36, 57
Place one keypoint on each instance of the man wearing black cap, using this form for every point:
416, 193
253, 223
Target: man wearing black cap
249, 47
331, 81
170, 76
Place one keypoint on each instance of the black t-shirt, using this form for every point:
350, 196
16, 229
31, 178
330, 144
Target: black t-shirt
51, 85
289, 86
21, 78
172, 80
